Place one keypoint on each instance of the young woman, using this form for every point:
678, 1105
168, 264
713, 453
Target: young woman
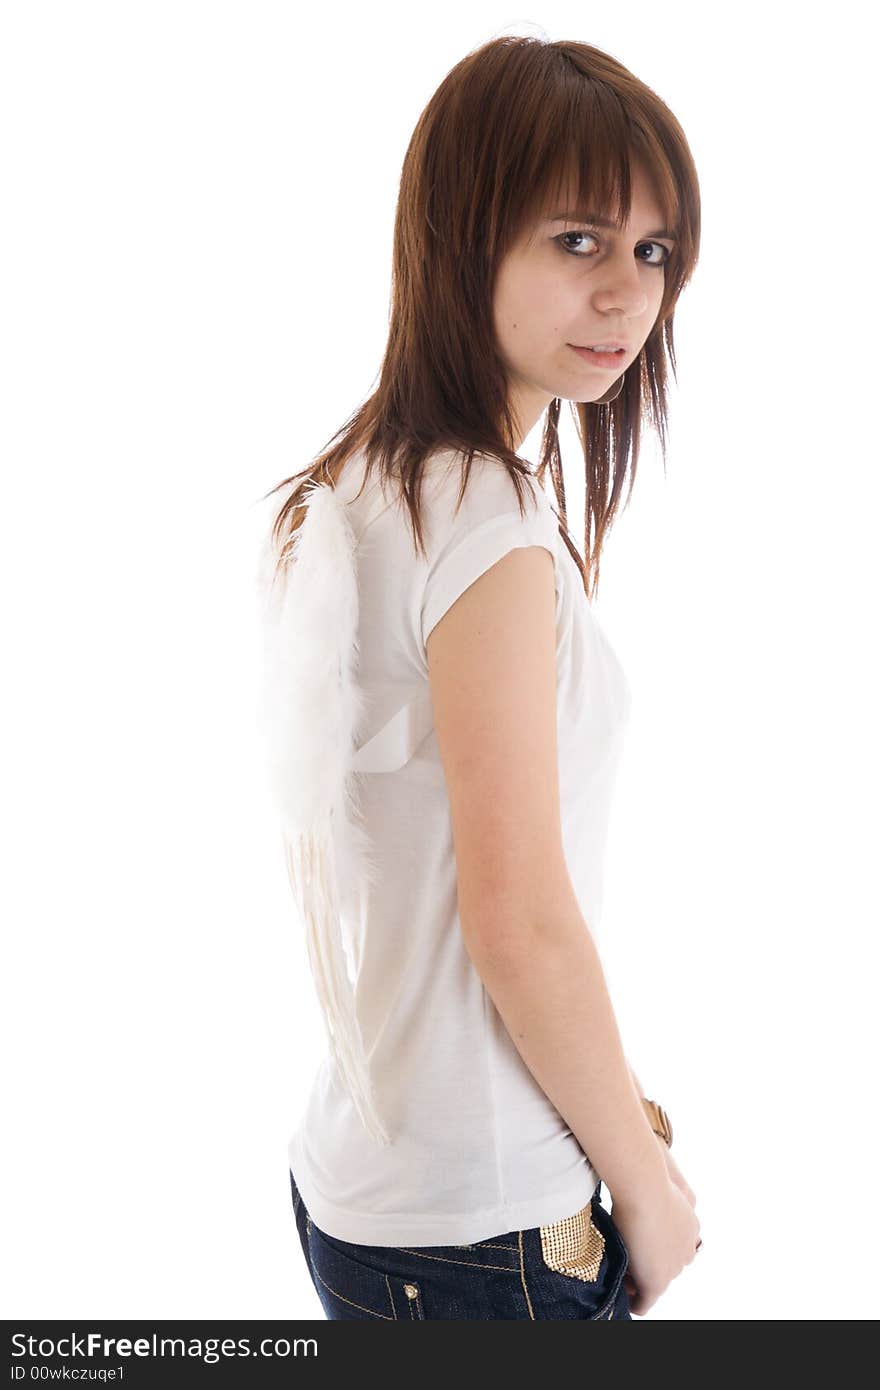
450, 1158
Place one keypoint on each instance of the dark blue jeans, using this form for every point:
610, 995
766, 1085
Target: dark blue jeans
518, 1274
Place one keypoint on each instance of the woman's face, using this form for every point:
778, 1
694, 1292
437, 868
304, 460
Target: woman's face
570, 282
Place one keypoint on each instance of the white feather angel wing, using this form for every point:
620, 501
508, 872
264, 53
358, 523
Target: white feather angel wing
312, 710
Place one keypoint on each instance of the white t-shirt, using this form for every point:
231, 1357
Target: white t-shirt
478, 1148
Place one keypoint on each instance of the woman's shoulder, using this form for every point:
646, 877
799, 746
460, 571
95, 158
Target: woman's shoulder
454, 500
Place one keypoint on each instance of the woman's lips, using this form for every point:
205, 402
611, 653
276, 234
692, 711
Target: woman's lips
599, 359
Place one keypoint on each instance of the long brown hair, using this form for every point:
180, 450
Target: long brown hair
505, 131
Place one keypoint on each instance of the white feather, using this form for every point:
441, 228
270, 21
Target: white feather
312, 711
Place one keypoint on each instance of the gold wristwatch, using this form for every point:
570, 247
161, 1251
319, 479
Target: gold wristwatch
659, 1120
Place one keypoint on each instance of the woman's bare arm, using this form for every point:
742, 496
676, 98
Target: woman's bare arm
492, 670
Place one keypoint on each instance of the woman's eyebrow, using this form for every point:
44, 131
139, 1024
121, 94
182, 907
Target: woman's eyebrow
604, 222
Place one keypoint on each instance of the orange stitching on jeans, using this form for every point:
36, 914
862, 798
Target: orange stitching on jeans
342, 1297
482, 1245
391, 1296
522, 1275
352, 1304
444, 1259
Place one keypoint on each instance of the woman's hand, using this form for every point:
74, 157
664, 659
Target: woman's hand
661, 1232
677, 1177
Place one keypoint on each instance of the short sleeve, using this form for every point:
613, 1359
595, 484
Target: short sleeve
468, 556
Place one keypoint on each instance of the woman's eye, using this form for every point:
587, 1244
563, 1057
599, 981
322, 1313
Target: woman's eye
565, 235
658, 246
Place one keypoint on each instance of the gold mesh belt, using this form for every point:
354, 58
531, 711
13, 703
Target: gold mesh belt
574, 1245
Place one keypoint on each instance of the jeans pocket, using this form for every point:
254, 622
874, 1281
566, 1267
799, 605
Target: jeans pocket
617, 1303
585, 1253
352, 1290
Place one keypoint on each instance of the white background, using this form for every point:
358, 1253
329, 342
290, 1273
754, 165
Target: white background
199, 201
